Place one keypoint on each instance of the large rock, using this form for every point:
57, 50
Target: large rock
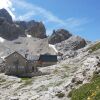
59, 35
73, 43
33, 28
4, 13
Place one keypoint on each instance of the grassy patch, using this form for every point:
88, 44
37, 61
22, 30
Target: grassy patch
2, 80
89, 91
56, 71
94, 47
26, 81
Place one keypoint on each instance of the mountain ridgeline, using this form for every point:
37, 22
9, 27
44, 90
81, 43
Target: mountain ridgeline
11, 30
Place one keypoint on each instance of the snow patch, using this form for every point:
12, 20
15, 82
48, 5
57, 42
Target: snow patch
2, 39
53, 47
29, 36
3, 57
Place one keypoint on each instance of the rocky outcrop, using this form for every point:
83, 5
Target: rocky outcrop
73, 43
21, 24
33, 28
10, 31
59, 35
4, 13
36, 29
84, 74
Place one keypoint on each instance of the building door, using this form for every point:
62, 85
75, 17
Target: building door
16, 64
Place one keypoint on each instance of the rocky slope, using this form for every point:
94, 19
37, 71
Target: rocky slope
60, 80
78, 62
33, 45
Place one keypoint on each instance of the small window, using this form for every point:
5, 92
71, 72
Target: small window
15, 55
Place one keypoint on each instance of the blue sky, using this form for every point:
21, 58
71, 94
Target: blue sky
81, 17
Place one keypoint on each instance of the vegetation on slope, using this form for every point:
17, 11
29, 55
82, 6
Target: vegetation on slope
89, 91
94, 47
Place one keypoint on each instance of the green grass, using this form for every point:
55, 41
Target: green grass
94, 47
89, 91
2, 80
26, 81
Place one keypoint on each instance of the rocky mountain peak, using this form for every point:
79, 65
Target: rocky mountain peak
4, 13
12, 30
36, 29
59, 35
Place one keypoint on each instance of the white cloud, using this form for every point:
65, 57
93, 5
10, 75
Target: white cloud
26, 16
31, 10
7, 4
34, 10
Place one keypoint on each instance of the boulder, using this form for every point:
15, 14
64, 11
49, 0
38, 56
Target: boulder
59, 35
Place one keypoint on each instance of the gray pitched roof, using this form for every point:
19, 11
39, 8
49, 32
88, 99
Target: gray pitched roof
30, 56
48, 58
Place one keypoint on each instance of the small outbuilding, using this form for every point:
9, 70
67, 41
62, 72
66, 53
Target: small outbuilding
47, 60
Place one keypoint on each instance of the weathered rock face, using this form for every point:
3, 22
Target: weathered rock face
59, 35
33, 28
73, 43
6, 15
36, 29
21, 24
10, 31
